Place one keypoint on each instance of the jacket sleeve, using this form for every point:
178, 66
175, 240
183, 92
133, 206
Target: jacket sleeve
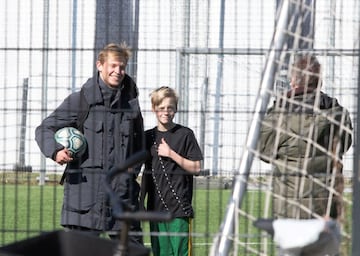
266, 143
64, 115
346, 134
338, 133
138, 140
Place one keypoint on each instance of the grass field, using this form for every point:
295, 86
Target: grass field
28, 209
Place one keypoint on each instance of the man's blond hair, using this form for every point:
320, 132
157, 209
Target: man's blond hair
116, 50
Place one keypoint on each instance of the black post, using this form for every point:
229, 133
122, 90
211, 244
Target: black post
356, 176
20, 165
306, 19
25, 87
116, 22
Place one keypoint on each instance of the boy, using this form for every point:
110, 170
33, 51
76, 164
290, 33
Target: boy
174, 157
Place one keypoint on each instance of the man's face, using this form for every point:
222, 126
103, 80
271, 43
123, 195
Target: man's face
293, 82
112, 71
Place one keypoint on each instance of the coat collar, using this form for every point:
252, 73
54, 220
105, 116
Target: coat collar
299, 91
92, 90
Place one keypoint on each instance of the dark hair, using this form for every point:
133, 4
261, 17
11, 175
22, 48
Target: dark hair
306, 70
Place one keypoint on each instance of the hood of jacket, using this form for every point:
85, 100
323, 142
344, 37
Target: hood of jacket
301, 100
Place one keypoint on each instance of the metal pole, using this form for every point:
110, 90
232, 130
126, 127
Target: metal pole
182, 86
73, 46
219, 80
204, 104
205, 92
21, 159
44, 82
332, 29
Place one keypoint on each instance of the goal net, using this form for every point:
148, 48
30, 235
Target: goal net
303, 139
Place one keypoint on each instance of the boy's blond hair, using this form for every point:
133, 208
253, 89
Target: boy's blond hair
116, 50
159, 94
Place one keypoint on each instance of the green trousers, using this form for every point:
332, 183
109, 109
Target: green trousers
173, 238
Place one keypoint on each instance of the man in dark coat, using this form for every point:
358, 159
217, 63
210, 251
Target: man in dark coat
113, 127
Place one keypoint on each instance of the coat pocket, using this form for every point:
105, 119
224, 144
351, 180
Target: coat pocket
81, 192
93, 131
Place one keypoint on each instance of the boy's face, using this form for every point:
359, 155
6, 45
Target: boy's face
165, 112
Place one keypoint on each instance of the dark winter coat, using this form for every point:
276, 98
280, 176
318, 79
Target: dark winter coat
114, 130
300, 150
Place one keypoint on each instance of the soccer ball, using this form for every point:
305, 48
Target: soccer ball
72, 139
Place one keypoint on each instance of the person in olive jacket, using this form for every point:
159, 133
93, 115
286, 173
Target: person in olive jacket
310, 124
304, 135
113, 127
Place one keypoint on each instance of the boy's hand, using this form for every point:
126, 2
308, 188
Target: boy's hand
164, 149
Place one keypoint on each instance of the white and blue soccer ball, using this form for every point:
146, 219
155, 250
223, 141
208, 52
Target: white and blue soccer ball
72, 139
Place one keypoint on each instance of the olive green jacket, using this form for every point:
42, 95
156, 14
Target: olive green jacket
303, 150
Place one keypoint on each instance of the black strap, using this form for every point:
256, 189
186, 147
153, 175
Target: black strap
83, 112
